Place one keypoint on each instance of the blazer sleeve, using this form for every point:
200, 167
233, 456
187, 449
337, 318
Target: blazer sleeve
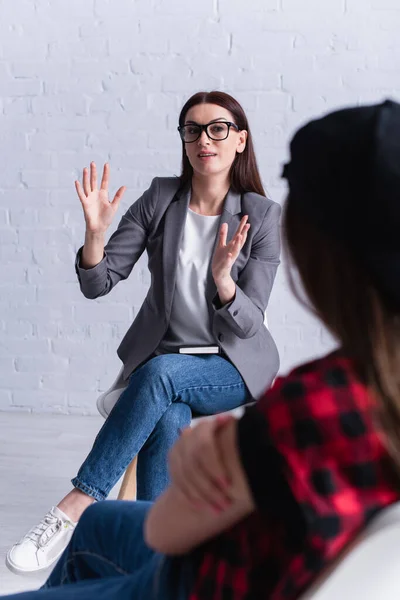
124, 248
245, 314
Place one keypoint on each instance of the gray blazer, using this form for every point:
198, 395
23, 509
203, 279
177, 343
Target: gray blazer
155, 223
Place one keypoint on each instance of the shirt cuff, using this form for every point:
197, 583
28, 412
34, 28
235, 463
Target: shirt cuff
237, 310
88, 275
216, 302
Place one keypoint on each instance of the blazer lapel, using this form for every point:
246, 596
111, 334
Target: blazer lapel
175, 218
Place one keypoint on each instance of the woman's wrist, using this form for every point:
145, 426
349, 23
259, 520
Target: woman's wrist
93, 250
94, 236
226, 289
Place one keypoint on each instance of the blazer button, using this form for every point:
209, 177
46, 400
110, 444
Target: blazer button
221, 337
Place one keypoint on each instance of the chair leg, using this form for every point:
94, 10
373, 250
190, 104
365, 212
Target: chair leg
128, 486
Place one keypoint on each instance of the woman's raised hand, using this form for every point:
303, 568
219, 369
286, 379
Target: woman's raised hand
97, 208
226, 253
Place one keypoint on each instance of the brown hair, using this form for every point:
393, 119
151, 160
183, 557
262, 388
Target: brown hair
244, 174
354, 310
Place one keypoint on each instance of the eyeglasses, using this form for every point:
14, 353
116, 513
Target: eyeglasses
216, 131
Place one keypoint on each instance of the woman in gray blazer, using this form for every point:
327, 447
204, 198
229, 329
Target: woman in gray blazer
212, 239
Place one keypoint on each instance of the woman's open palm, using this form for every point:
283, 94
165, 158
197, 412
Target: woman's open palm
227, 252
97, 208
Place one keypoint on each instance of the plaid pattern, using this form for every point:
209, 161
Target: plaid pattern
317, 425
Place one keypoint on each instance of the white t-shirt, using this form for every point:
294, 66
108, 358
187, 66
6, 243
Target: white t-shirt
190, 320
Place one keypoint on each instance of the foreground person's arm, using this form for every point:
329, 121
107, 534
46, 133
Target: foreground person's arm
175, 526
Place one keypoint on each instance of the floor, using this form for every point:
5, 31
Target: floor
39, 454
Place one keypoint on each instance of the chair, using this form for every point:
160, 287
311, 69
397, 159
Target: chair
369, 569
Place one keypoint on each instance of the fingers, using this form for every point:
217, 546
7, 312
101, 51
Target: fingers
244, 236
239, 240
93, 176
228, 253
223, 232
118, 197
242, 230
207, 490
106, 177
80, 191
236, 245
240, 236
197, 468
223, 419
242, 225
213, 480
176, 470
86, 181
234, 249
89, 181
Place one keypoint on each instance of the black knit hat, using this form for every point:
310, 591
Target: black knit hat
344, 174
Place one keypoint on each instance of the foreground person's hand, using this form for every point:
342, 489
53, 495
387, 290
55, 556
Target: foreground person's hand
197, 468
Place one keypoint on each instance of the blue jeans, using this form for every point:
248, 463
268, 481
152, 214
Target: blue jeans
107, 559
161, 398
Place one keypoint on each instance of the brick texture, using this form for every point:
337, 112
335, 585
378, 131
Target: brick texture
104, 80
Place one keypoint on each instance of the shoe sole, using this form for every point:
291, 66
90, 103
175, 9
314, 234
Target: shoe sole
18, 571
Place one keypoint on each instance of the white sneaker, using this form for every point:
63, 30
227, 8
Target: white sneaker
42, 545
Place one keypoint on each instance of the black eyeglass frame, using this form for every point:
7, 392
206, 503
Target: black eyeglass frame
205, 127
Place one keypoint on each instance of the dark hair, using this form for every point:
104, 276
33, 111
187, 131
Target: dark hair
349, 303
244, 174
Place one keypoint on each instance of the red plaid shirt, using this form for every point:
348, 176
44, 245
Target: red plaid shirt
318, 471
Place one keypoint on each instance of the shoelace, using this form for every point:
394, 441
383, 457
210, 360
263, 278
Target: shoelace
42, 533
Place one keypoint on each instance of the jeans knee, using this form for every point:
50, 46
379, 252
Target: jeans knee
168, 429
177, 416
155, 380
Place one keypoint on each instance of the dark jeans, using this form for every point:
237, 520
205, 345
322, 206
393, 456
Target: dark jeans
108, 559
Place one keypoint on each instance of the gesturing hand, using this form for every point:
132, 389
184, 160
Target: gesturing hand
226, 254
98, 210
196, 466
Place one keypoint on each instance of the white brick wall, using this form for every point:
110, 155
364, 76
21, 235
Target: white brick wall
104, 80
